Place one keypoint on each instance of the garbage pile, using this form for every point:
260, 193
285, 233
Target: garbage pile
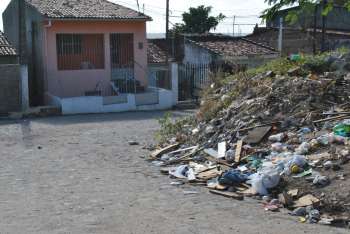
281, 138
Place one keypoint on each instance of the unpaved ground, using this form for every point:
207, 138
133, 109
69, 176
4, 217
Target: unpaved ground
78, 175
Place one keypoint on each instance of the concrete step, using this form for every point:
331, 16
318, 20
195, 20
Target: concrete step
187, 105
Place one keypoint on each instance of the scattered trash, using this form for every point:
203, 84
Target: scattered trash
133, 143
190, 192
233, 177
321, 180
279, 137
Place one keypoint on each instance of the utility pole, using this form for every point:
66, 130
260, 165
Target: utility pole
315, 30
280, 36
167, 20
324, 19
233, 28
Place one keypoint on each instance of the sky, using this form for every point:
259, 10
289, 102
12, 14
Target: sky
246, 12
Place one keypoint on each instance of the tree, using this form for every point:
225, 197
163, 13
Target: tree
304, 6
198, 20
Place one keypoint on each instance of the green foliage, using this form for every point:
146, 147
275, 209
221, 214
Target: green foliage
305, 7
198, 20
169, 127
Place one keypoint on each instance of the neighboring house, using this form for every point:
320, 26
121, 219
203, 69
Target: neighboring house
10, 95
77, 48
224, 50
338, 19
300, 40
8, 53
158, 64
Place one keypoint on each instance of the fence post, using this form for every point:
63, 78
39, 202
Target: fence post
175, 82
24, 87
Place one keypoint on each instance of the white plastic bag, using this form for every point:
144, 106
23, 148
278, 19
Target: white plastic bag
265, 179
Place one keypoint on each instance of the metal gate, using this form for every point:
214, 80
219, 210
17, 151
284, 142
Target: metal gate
192, 79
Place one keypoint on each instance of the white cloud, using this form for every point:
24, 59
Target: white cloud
156, 9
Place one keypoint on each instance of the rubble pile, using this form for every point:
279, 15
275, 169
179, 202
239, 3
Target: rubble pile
282, 138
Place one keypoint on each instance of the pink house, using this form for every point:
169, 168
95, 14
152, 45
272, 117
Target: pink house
78, 48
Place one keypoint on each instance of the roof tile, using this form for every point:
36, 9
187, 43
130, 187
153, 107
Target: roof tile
85, 9
5, 47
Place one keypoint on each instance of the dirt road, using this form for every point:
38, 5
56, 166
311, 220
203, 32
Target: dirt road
78, 175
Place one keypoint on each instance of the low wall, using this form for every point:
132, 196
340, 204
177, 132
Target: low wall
10, 88
95, 104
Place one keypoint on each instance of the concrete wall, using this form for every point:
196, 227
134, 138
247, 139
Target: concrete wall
337, 19
29, 46
298, 41
11, 22
87, 105
10, 88
76, 83
8, 59
195, 54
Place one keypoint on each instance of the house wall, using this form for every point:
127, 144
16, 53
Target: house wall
8, 59
196, 55
11, 22
76, 82
30, 49
10, 91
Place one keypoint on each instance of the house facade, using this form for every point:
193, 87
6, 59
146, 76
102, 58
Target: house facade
77, 48
220, 50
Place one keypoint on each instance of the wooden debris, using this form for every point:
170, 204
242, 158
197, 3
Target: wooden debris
257, 135
158, 153
306, 200
293, 193
332, 118
228, 194
248, 192
285, 199
183, 158
219, 161
238, 151
210, 174
258, 126
183, 150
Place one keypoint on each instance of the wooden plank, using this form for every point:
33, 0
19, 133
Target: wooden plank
307, 200
238, 151
219, 161
257, 135
158, 153
332, 118
258, 126
209, 174
182, 150
227, 194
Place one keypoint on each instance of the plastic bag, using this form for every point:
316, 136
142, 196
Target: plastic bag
297, 160
232, 177
265, 179
277, 138
303, 148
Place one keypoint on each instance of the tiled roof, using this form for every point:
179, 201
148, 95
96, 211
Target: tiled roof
85, 9
236, 47
155, 53
5, 48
